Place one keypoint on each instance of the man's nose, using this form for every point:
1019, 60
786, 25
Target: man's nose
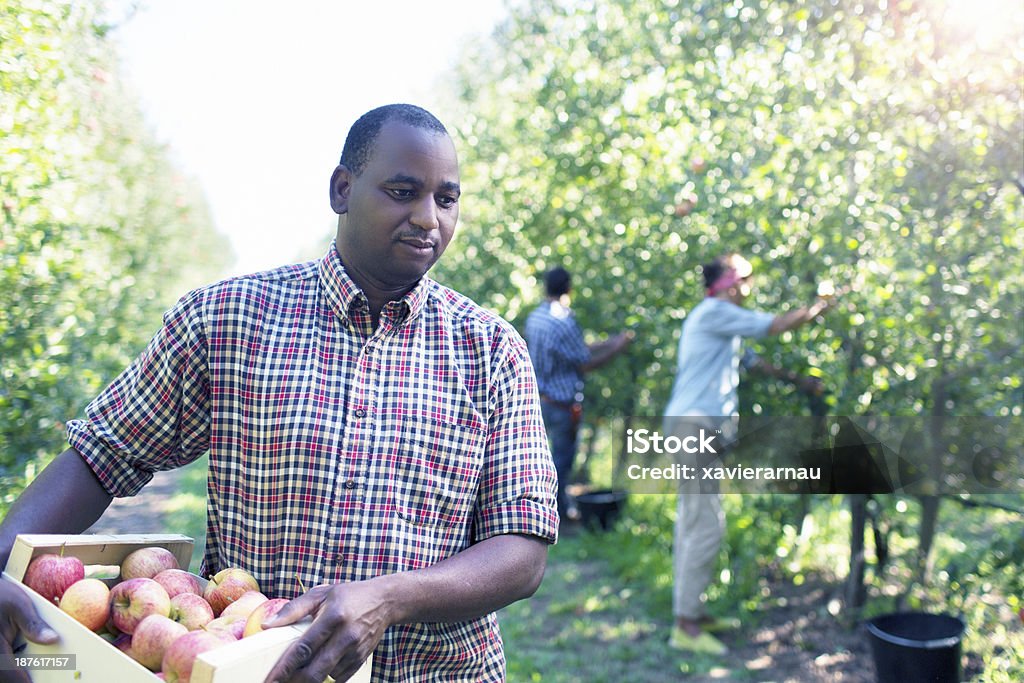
424, 214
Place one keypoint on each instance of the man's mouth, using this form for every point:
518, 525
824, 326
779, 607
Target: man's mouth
422, 245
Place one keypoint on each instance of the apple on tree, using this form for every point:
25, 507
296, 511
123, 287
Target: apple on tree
50, 574
88, 602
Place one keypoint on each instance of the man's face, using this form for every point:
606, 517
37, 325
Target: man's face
400, 212
744, 288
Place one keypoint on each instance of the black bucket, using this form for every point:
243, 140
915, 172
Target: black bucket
915, 646
600, 509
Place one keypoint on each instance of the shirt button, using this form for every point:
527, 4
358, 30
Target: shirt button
360, 412
350, 484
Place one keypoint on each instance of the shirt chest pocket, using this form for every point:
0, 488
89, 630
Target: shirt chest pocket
437, 473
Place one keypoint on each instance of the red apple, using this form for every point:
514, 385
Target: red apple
133, 600
182, 653
50, 574
145, 563
685, 207
190, 610
177, 581
152, 637
228, 585
88, 601
698, 165
263, 611
232, 627
244, 605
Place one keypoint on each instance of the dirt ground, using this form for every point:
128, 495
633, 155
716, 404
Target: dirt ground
795, 640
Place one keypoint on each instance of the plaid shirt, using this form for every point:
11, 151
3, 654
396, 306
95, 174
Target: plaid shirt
339, 452
557, 350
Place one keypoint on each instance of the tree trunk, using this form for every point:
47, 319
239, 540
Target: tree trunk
856, 592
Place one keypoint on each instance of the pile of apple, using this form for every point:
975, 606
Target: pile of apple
157, 613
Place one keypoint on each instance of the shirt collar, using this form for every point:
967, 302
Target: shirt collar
342, 293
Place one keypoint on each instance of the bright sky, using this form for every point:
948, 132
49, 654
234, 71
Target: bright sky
254, 98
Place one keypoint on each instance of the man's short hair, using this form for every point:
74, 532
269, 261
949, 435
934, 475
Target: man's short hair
712, 271
716, 269
361, 137
556, 281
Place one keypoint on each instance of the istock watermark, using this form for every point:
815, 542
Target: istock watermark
863, 454
643, 441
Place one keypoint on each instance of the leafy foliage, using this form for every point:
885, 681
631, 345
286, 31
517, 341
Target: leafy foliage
99, 231
871, 144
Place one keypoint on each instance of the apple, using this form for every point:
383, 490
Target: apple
133, 600
685, 207
50, 574
181, 654
232, 627
152, 637
88, 602
145, 563
177, 581
698, 165
190, 610
228, 585
244, 605
263, 611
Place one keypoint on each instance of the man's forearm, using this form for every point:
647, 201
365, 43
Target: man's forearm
481, 579
66, 497
602, 352
797, 317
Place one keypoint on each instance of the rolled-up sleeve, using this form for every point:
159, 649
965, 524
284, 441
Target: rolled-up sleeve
517, 486
155, 415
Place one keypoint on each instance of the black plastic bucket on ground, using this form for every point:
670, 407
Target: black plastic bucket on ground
916, 646
600, 509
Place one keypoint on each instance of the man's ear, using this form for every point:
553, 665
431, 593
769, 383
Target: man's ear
341, 183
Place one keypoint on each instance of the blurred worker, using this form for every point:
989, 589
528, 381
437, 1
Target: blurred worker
560, 359
704, 396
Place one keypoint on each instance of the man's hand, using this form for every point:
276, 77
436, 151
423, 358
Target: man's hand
624, 339
349, 619
18, 615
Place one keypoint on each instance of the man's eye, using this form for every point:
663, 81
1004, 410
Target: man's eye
448, 201
402, 193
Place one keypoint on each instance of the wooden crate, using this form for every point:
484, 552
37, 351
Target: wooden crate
249, 659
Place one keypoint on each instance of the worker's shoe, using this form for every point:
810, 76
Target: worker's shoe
719, 624
705, 643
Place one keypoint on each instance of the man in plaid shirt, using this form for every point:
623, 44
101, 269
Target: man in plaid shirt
560, 358
370, 433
